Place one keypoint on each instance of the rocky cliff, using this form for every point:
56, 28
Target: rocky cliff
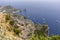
17, 27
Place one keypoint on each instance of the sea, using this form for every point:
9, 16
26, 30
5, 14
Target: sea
40, 13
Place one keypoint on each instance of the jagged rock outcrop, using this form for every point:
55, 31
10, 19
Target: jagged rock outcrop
42, 29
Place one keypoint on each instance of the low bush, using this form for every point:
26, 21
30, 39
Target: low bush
16, 31
7, 17
11, 22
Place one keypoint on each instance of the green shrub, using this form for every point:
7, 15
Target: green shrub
16, 31
7, 17
55, 37
34, 37
11, 22
15, 15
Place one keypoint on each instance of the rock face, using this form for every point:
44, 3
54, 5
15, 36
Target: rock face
17, 27
25, 26
42, 29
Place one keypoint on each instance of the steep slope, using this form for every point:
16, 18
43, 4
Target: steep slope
14, 27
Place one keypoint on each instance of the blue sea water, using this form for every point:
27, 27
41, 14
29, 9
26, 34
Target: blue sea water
40, 12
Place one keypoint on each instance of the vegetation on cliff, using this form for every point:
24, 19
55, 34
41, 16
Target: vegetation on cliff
39, 37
